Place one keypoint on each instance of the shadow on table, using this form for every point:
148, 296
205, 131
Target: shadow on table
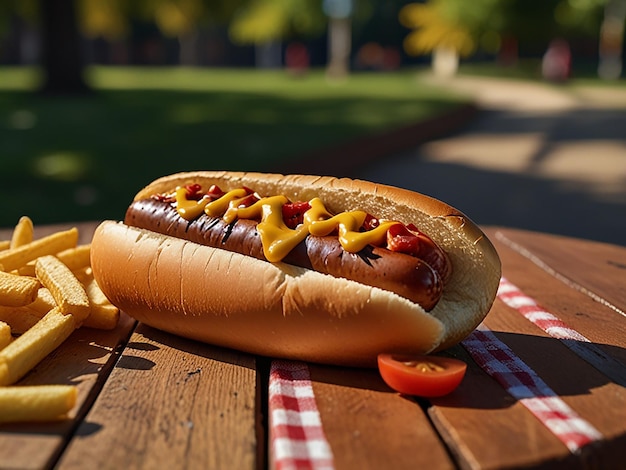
563, 371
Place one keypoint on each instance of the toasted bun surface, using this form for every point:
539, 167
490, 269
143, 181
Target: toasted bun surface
279, 310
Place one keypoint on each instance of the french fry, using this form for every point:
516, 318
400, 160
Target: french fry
103, 317
44, 301
36, 402
95, 294
17, 290
76, 258
5, 335
19, 357
27, 269
20, 319
22, 233
46, 292
68, 292
12, 259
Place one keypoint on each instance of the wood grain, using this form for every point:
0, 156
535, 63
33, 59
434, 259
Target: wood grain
171, 403
596, 269
368, 426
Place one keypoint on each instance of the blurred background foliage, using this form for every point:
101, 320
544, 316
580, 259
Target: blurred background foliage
98, 97
206, 32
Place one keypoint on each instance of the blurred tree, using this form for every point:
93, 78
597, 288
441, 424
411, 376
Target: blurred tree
180, 19
459, 29
437, 30
339, 14
261, 21
183, 18
109, 19
612, 40
266, 23
62, 23
61, 54
16, 22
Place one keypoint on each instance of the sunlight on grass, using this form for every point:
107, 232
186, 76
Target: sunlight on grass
19, 78
190, 113
22, 119
61, 166
311, 86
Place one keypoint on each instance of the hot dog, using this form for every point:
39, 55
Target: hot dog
312, 268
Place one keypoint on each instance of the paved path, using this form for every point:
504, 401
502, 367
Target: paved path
538, 157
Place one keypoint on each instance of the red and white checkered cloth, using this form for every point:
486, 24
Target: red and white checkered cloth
515, 298
523, 383
555, 327
297, 437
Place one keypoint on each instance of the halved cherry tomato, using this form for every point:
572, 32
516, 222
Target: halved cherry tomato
424, 376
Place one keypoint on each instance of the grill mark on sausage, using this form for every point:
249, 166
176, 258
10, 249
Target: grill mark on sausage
367, 255
229, 230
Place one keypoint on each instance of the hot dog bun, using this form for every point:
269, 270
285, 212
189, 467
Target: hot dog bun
278, 310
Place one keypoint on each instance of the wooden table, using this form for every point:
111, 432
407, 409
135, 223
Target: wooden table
148, 399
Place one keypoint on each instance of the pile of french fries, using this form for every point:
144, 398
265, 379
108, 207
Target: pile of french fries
47, 290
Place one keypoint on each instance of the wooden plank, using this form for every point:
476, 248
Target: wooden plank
84, 360
597, 269
368, 426
171, 403
489, 429
603, 326
485, 428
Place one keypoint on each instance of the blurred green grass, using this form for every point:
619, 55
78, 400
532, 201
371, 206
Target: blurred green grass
84, 157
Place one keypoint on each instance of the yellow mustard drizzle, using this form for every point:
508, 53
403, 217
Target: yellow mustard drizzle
317, 212
226, 205
189, 209
278, 239
354, 241
322, 223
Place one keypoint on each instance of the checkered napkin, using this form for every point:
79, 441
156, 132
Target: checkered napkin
555, 327
515, 298
297, 437
501, 363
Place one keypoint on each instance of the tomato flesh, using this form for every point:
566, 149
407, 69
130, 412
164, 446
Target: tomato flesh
424, 376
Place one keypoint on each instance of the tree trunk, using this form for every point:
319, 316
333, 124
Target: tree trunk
188, 47
62, 58
339, 46
612, 40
